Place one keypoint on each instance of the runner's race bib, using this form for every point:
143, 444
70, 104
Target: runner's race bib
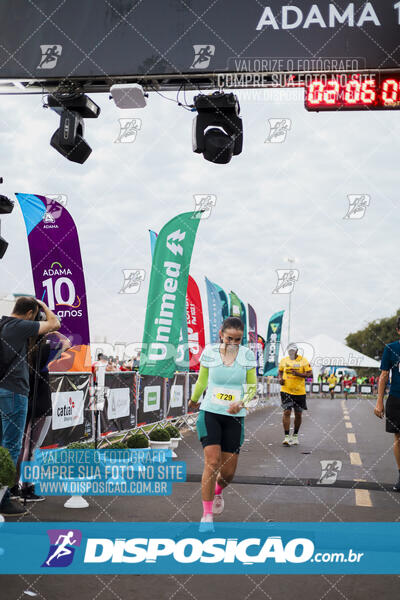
223, 396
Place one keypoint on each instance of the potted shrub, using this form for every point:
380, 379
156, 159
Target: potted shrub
159, 439
77, 501
175, 438
7, 471
137, 440
173, 431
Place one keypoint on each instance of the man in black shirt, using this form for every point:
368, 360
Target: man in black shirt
15, 332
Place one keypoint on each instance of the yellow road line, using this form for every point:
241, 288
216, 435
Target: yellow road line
346, 418
363, 498
348, 425
355, 459
351, 438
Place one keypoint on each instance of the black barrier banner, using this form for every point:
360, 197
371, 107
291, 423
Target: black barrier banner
71, 420
159, 37
119, 412
192, 382
176, 397
365, 389
315, 388
151, 394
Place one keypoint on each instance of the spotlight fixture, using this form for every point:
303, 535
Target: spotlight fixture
6, 207
217, 129
69, 140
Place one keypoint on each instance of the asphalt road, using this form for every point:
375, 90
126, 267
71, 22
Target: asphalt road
273, 482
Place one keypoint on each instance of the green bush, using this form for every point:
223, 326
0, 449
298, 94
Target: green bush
81, 446
117, 446
137, 440
173, 431
159, 434
7, 468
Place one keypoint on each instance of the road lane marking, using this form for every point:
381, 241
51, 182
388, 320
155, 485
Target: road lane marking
346, 418
363, 498
351, 438
355, 459
348, 425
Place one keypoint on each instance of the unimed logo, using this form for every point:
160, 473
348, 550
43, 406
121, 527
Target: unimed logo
191, 550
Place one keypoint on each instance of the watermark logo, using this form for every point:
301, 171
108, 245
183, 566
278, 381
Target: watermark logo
202, 56
203, 204
50, 55
132, 280
54, 208
286, 281
235, 310
62, 547
59, 198
128, 128
278, 129
330, 471
358, 204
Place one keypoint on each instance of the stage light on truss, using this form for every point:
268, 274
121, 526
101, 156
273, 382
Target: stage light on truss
217, 129
69, 140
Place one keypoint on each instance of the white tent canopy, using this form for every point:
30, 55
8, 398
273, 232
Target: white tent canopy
322, 351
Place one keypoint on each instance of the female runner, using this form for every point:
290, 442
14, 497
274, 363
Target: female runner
228, 371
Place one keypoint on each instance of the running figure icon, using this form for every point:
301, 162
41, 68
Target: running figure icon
62, 549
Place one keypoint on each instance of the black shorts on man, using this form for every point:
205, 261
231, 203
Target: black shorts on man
392, 411
295, 401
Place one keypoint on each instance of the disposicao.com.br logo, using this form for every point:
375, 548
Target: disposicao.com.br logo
212, 550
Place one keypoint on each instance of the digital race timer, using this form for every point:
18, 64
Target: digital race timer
351, 91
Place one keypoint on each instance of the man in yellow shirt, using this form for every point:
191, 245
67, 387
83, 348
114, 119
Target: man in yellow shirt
332, 381
293, 370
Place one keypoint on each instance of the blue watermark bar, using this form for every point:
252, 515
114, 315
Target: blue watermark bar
90, 472
250, 548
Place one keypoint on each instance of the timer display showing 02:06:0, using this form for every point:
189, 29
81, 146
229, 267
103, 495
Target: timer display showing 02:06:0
353, 94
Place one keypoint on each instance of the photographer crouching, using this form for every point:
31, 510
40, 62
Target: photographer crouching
15, 332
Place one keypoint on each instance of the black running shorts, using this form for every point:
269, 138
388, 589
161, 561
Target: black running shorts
223, 430
296, 401
392, 411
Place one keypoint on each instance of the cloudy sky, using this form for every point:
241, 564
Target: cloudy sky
275, 200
